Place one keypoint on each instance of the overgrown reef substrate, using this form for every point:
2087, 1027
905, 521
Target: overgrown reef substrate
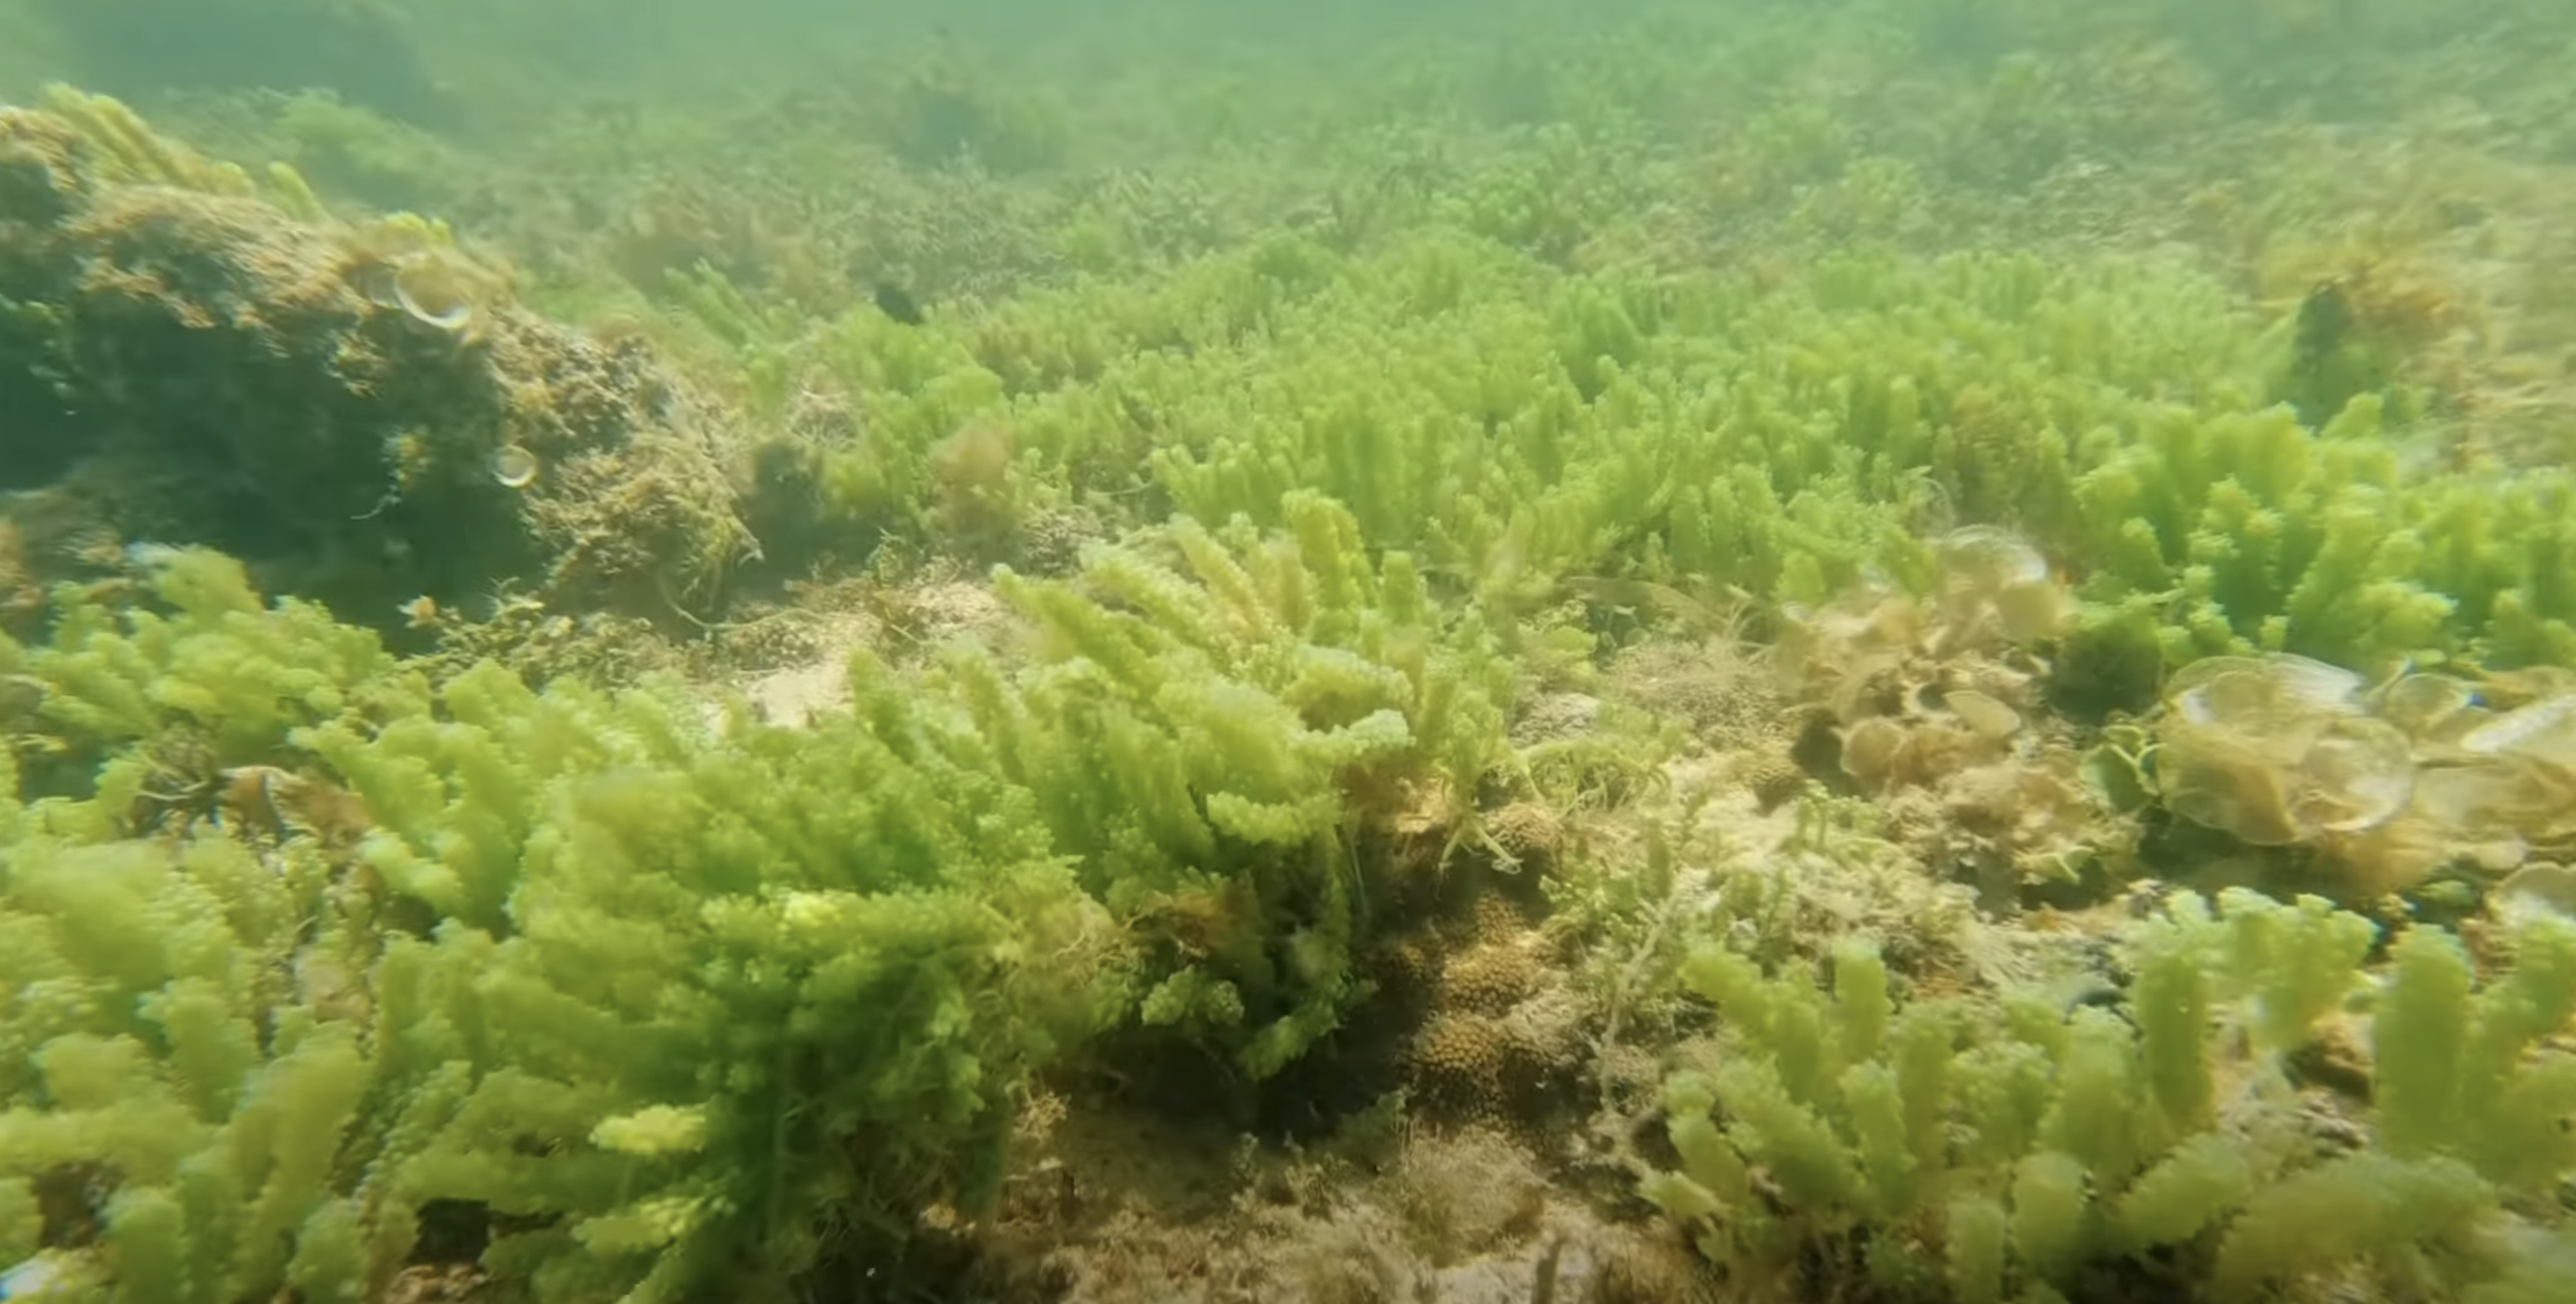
356, 410
660, 1006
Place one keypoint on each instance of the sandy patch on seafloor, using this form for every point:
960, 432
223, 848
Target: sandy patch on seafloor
1126, 1207
795, 695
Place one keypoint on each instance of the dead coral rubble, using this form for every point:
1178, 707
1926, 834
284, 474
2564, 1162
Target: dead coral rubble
357, 411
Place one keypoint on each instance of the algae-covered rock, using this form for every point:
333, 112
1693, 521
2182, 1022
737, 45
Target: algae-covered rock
360, 413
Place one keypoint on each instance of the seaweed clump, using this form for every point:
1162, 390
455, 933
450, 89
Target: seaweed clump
1850, 1142
1932, 707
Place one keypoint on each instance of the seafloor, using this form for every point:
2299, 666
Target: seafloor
1864, 652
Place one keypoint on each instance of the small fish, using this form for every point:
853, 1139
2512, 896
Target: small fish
894, 302
2326, 318
420, 613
